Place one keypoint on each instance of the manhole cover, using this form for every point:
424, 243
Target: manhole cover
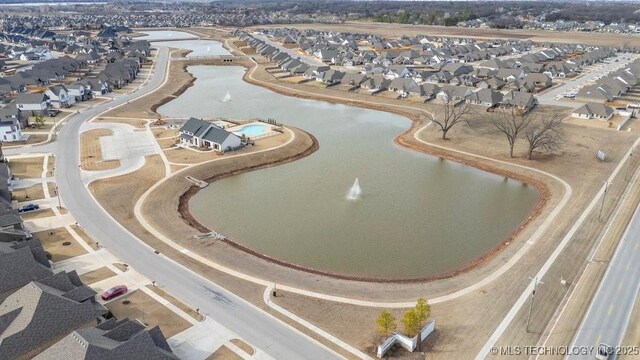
126, 302
66, 243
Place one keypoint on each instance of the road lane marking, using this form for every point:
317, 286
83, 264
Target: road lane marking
620, 285
628, 266
610, 309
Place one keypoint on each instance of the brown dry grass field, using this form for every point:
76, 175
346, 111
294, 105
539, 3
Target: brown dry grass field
148, 311
96, 275
161, 132
26, 167
91, 153
38, 214
33, 192
186, 156
224, 353
177, 303
120, 193
242, 345
53, 240
135, 122
397, 30
87, 239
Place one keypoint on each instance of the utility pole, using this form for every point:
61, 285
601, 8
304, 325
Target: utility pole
533, 297
58, 195
604, 195
626, 173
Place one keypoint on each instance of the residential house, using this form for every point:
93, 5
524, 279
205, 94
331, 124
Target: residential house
453, 93
45, 311
111, 339
519, 100
32, 103
593, 111
201, 133
485, 97
59, 97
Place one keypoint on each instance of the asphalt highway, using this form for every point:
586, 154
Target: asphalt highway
607, 318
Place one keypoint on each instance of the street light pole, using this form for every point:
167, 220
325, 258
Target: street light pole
533, 296
604, 195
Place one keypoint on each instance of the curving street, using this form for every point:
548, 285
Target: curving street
267, 333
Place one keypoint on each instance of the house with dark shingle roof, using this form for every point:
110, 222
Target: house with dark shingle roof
20, 263
593, 111
112, 339
32, 103
201, 133
45, 311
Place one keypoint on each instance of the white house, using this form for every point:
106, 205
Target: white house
32, 103
59, 96
78, 92
593, 111
200, 133
10, 130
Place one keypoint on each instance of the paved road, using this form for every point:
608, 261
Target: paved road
254, 325
607, 318
589, 78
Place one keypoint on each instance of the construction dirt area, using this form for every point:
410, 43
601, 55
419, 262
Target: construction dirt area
572, 174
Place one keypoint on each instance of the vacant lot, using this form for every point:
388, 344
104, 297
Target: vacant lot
33, 192
148, 311
91, 152
27, 167
96, 275
60, 244
38, 214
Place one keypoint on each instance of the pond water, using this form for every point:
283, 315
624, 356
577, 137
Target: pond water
416, 215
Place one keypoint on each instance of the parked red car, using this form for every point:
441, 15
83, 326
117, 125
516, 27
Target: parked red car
114, 292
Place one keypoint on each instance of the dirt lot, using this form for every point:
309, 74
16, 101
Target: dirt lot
53, 242
397, 30
26, 167
148, 311
96, 275
91, 153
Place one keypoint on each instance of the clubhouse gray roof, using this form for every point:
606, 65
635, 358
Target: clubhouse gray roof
206, 130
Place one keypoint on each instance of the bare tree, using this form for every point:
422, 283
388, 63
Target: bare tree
511, 123
449, 116
545, 134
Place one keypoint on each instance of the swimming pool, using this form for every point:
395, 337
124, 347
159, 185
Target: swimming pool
252, 130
